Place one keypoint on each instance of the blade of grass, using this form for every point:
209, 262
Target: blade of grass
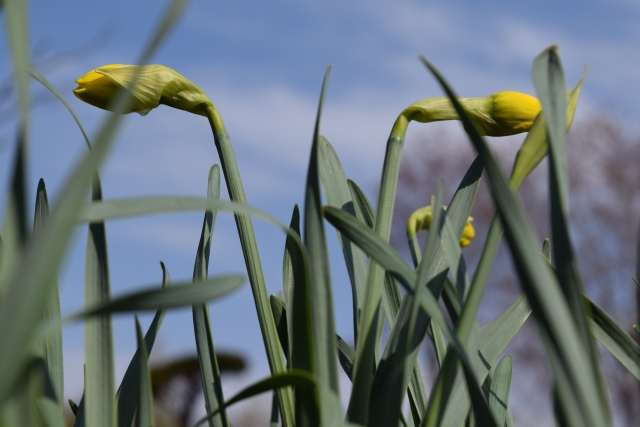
139, 206
51, 349
307, 410
546, 250
17, 27
548, 77
155, 298
144, 412
288, 279
274, 411
323, 323
500, 386
44, 82
127, 395
100, 407
209, 370
279, 311
391, 297
338, 194
346, 356
536, 145
615, 339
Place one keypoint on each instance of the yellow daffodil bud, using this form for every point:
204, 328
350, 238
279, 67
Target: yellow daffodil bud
501, 114
421, 220
150, 86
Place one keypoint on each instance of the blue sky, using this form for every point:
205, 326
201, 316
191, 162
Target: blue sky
262, 64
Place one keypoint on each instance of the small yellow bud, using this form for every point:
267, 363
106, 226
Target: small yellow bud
150, 86
501, 114
513, 112
421, 220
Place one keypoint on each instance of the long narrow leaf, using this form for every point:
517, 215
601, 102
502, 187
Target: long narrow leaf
52, 343
44, 82
179, 295
323, 322
279, 311
307, 410
144, 412
548, 77
288, 278
127, 395
346, 355
338, 194
614, 338
209, 370
99, 390
500, 386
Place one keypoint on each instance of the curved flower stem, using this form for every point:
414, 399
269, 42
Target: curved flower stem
364, 363
252, 260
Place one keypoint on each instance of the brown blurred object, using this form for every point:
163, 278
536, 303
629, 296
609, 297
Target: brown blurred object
177, 383
604, 172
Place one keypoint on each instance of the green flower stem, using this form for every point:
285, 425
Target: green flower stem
479, 283
365, 345
252, 261
414, 245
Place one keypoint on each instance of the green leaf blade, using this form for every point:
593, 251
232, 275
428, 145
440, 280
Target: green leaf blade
323, 321
127, 395
52, 342
144, 412
338, 194
500, 387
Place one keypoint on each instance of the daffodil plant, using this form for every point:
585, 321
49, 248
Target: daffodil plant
471, 377
155, 85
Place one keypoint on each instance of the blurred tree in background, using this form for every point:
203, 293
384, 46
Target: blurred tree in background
604, 213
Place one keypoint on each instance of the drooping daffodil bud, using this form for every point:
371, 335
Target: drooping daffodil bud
501, 114
421, 220
150, 86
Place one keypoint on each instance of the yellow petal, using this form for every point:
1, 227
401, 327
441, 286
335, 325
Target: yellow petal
514, 112
150, 86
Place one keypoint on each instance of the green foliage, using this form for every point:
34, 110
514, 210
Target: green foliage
298, 330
